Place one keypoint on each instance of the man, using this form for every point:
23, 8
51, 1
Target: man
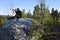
18, 13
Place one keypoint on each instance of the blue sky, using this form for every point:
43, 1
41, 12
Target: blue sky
6, 5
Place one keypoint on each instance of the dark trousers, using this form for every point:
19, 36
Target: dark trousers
18, 16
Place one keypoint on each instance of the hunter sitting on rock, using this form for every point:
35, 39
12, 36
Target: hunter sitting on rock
17, 15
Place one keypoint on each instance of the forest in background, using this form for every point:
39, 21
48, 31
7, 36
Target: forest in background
51, 20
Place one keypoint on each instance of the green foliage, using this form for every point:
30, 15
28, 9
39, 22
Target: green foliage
55, 16
36, 32
50, 20
36, 12
2, 20
24, 15
47, 17
58, 18
29, 14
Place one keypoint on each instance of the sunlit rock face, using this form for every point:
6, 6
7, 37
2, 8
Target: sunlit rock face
16, 29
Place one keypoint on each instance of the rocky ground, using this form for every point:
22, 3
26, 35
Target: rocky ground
16, 29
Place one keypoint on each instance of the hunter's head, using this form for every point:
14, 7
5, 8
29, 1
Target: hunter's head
18, 9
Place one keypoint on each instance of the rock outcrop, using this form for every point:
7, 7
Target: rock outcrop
16, 29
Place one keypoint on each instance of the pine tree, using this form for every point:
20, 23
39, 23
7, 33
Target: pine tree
24, 13
29, 14
36, 12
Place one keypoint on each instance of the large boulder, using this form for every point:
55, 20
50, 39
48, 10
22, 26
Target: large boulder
16, 29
